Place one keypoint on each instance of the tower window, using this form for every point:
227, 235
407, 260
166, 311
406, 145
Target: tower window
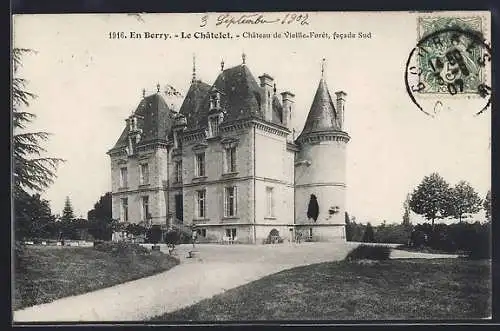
270, 201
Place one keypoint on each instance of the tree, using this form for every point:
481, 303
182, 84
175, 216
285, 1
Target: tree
432, 198
487, 205
464, 200
31, 171
406, 215
100, 218
67, 213
313, 208
33, 217
368, 236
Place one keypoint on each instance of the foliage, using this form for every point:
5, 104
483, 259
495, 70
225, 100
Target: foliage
172, 239
392, 233
101, 224
487, 205
432, 198
313, 208
369, 252
464, 200
368, 235
136, 229
153, 234
33, 217
406, 215
472, 239
32, 172
67, 213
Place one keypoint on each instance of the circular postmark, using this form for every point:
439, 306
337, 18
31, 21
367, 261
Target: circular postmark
450, 69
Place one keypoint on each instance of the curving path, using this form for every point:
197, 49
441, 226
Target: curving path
215, 269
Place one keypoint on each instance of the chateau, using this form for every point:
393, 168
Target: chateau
228, 162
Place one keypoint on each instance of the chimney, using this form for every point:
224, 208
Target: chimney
287, 100
340, 106
266, 83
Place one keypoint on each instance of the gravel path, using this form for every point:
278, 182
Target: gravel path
213, 270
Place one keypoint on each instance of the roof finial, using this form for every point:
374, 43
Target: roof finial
158, 88
194, 69
143, 92
243, 57
222, 65
323, 64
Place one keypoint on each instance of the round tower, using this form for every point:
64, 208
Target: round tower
320, 169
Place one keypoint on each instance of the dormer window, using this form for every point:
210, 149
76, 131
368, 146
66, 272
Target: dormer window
213, 124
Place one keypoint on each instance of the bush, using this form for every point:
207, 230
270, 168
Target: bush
392, 233
368, 235
153, 234
120, 248
369, 252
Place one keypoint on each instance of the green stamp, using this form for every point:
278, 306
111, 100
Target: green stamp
451, 55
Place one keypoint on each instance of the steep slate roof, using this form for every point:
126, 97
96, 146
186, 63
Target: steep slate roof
322, 115
193, 102
157, 120
240, 96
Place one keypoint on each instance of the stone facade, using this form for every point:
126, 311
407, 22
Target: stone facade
228, 163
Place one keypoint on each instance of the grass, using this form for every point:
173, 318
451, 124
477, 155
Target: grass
46, 273
381, 290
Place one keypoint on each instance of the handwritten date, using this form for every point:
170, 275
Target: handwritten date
228, 20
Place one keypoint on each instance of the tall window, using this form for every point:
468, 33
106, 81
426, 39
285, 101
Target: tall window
145, 208
231, 159
230, 200
200, 204
123, 177
200, 165
270, 201
178, 171
124, 209
144, 173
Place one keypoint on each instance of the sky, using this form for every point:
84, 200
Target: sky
87, 84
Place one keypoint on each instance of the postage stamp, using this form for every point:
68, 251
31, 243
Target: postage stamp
452, 60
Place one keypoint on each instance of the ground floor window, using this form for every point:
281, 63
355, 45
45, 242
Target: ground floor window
310, 232
231, 233
202, 232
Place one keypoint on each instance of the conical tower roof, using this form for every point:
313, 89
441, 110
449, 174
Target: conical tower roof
322, 114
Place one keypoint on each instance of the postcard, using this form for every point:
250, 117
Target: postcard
259, 166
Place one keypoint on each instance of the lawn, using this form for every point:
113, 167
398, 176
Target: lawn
46, 273
381, 290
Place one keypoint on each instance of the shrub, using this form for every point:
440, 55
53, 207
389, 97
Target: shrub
121, 248
153, 235
392, 233
368, 235
369, 252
